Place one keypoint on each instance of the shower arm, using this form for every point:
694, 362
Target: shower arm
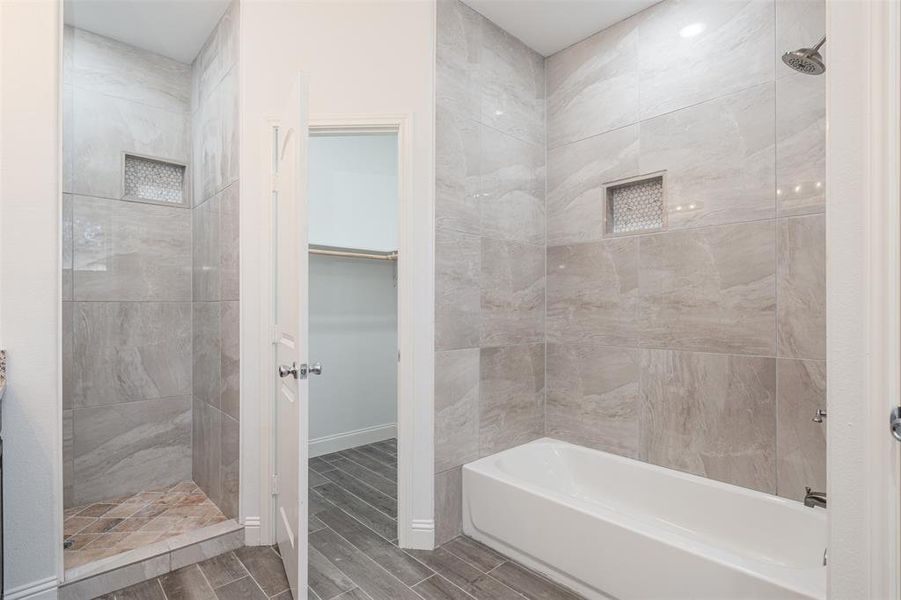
816, 48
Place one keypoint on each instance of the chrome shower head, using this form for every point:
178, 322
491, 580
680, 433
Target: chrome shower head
806, 60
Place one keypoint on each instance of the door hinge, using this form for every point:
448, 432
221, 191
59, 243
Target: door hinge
274, 485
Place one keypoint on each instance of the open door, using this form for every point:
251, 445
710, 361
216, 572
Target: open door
290, 486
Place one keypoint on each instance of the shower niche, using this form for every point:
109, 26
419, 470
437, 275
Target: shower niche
150, 297
635, 205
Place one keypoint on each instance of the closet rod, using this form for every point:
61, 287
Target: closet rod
353, 253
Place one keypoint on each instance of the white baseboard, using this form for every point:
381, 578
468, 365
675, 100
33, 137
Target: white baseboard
351, 439
44, 589
420, 535
252, 532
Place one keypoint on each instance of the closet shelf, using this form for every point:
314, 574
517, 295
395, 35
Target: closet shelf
353, 252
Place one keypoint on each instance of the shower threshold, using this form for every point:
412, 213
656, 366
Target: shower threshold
175, 520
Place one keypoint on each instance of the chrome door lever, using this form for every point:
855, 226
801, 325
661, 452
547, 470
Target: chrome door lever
285, 370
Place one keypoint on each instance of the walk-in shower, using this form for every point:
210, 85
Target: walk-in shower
806, 60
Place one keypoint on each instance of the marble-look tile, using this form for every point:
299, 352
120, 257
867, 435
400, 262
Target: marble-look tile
511, 79
67, 108
130, 351
209, 548
711, 289
124, 448
68, 459
116, 69
593, 396
576, 174
799, 24
710, 414
67, 248
511, 396
458, 267
678, 70
229, 244
800, 144
206, 250
206, 447
140, 574
511, 197
512, 293
218, 55
456, 407
207, 359
67, 341
801, 287
800, 443
592, 292
592, 86
130, 251
215, 126
448, 505
228, 466
457, 170
719, 159
459, 47
229, 359
105, 127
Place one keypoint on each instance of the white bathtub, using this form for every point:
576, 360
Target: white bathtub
608, 526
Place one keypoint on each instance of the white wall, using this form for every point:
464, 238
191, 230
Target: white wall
29, 296
353, 191
361, 58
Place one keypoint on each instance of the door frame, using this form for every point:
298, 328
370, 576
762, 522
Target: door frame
863, 235
415, 338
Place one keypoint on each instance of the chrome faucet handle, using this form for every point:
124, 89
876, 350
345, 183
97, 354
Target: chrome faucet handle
819, 416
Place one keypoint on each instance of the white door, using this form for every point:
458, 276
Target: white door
291, 337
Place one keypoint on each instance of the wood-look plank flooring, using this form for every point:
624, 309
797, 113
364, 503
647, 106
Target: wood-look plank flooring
353, 553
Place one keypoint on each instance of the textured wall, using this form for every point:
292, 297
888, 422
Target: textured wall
490, 248
126, 274
700, 348
215, 265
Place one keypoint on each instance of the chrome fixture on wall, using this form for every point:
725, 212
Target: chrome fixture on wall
812, 499
819, 416
806, 60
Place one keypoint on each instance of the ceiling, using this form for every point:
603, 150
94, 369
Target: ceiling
548, 26
173, 28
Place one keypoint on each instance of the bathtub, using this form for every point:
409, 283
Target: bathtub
611, 527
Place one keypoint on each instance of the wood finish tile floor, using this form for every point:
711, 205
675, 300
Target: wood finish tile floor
353, 551
107, 528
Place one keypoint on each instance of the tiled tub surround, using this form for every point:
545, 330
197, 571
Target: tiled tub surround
701, 347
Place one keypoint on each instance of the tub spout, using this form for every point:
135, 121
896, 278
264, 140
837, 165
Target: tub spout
812, 499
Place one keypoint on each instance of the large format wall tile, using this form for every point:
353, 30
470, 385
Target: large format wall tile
67, 341
719, 159
458, 267
801, 287
110, 67
206, 250
511, 198
592, 292
229, 358
448, 505
592, 86
511, 78
130, 351
576, 174
593, 396
456, 408
68, 250
105, 127
229, 243
710, 414
125, 448
800, 144
206, 447
215, 150
512, 293
218, 55
68, 459
511, 396
732, 51
459, 47
229, 440
711, 289
457, 171
130, 251
206, 356
800, 443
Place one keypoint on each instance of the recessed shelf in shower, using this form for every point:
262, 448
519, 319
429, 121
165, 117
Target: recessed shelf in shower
153, 180
634, 205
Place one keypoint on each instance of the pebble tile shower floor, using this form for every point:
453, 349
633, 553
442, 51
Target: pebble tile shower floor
103, 529
353, 552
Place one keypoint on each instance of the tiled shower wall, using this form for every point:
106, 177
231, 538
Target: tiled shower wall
215, 264
699, 348
126, 274
490, 280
